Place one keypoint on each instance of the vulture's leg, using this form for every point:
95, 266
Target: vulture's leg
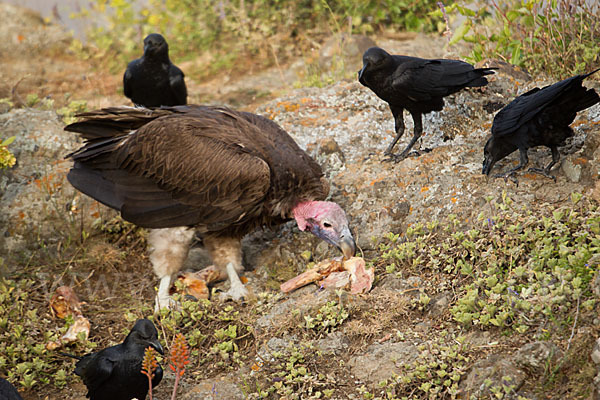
398, 127
523, 160
418, 121
546, 171
226, 254
168, 251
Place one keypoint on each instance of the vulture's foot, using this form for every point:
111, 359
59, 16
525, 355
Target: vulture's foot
544, 172
237, 291
163, 299
509, 175
165, 302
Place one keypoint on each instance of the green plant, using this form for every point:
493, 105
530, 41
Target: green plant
434, 374
327, 317
237, 29
24, 359
73, 108
521, 268
7, 159
557, 37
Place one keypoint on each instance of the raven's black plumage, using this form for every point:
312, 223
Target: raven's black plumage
415, 84
8, 391
540, 117
152, 80
115, 372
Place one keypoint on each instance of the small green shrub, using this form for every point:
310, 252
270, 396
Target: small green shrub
327, 318
7, 159
434, 374
557, 37
231, 30
24, 333
523, 269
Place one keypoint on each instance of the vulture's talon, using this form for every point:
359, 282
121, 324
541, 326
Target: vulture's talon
235, 293
165, 302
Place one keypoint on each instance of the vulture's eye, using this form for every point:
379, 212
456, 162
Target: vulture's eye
326, 225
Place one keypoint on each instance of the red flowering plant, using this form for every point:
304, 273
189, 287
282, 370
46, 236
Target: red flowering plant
179, 358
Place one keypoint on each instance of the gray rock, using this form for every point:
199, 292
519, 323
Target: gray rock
275, 344
382, 361
493, 371
334, 343
439, 304
303, 299
219, 388
533, 357
36, 201
596, 352
572, 169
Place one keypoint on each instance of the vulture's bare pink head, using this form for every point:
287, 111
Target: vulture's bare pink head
327, 221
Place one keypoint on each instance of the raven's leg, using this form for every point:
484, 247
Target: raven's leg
168, 251
523, 160
546, 171
417, 119
398, 126
226, 254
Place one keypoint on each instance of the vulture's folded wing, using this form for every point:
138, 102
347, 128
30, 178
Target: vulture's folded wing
176, 171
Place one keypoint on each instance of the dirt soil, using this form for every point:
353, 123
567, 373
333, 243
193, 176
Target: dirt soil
55, 236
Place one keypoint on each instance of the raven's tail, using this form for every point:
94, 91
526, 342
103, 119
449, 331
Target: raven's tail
578, 97
480, 74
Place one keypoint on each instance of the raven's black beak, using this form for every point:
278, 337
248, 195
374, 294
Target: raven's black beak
347, 244
487, 166
157, 346
361, 72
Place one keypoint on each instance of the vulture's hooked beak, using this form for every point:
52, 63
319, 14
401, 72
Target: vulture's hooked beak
346, 244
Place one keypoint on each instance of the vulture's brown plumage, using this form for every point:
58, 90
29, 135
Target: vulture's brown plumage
219, 171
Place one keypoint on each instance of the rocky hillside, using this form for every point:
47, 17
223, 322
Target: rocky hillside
483, 289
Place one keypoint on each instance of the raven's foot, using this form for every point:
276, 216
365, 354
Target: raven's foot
237, 291
509, 175
395, 157
543, 171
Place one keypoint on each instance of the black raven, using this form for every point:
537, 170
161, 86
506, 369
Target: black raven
8, 391
540, 117
415, 84
153, 80
115, 373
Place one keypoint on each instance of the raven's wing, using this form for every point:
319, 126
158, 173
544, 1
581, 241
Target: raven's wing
95, 370
521, 110
127, 78
177, 83
422, 80
178, 170
8, 391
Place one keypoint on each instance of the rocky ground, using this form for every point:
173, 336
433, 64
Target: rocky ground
311, 343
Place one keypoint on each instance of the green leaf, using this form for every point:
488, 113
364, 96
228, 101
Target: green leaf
8, 141
462, 30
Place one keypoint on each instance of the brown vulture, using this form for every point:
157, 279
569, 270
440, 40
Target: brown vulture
221, 172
